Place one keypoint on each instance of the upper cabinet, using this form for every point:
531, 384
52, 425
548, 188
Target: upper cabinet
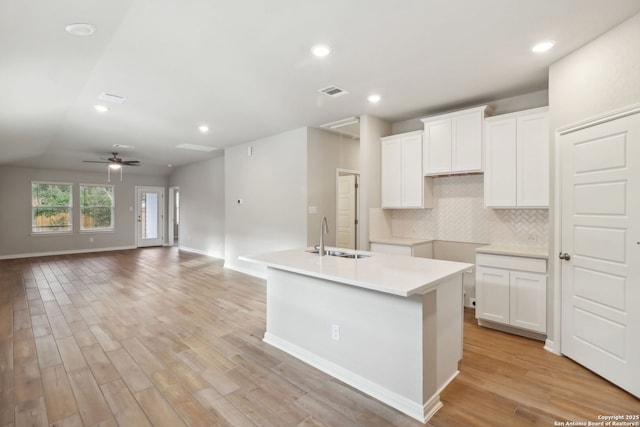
453, 142
403, 184
517, 160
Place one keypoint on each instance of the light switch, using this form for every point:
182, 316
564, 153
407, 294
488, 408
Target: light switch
313, 210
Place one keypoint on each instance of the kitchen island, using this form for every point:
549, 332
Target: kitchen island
388, 325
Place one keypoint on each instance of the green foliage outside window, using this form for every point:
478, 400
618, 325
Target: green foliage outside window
51, 206
96, 207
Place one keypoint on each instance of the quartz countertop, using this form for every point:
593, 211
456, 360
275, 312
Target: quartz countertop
530, 252
400, 241
393, 274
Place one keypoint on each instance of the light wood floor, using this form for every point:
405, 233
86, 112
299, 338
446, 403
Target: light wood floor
164, 338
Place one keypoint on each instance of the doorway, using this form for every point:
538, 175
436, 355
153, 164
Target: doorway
173, 235
347, 208
150, 216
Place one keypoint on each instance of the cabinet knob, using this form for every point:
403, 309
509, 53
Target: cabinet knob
565, 256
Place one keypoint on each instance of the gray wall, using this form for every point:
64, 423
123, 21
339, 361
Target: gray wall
326, 152
371, 130
273, 186
15, 213
202, 206
599, 77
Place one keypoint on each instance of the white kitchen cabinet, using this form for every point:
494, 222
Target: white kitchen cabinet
511, 291
452, 142
516, 171
421, 249
403, 184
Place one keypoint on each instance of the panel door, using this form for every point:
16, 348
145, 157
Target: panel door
528, 301
150, 208
500, 163
346, 208
601, 234
412, 177
492, 294
467, 143
391, 174
437, 147
533, 160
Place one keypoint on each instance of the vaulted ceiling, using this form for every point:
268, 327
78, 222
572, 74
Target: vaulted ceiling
244, 68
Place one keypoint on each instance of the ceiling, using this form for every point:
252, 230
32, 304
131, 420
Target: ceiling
244, 68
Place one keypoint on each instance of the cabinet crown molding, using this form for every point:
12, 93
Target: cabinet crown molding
487, 110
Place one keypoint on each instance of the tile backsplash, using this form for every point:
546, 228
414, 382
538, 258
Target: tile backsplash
459, 215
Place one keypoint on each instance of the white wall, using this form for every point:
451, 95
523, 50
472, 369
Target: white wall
15, 214
599, 77
202, 206
273, 186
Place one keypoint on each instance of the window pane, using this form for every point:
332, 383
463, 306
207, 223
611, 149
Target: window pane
96, 207
96, 217
96, 195
149, 217
51, 207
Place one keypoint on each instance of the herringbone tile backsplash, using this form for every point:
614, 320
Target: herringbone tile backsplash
459, 215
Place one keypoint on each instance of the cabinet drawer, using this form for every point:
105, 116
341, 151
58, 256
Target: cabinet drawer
535, 265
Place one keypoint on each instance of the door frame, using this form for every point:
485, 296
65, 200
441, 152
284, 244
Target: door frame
163, 226
339, 172
555, 345
171, 216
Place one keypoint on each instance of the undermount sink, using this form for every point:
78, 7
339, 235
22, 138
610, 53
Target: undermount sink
339, 254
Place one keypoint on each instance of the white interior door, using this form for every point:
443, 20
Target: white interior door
346, 208
150, 216
600, 233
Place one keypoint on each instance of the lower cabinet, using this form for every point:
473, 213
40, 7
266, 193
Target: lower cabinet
512, 291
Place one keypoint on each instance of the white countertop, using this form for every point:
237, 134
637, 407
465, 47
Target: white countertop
514, 251
400, 241
392, 274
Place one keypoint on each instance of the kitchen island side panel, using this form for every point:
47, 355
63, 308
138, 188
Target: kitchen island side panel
380, 335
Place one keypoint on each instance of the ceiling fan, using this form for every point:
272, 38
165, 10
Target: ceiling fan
115, 163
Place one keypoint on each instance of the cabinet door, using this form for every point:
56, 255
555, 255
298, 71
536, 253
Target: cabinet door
467, 143
528, 301
492, 294
412, 177
437, 147
391, 174
533, 160
500, 163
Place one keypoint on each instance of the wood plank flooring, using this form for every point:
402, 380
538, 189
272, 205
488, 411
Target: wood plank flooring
158, 337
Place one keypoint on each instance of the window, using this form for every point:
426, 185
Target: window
51, 207
96, 207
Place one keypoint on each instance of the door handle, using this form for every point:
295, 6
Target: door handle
565, 256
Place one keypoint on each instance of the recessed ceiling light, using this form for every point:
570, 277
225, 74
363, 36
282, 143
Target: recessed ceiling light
543, 46
321, 50
100, 108
203, 128
374, 99
80, 30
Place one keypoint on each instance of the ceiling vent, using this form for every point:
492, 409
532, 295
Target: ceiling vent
196, 147
349, 127
109, 97
333, 91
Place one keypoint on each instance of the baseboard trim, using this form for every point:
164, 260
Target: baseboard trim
420, 412
192, 250
512, 330
69, 252
246, 271
551, 347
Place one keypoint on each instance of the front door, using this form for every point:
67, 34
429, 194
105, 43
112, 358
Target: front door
150, 216
601, 249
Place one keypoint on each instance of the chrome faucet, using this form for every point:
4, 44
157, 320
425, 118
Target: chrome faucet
324, 229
